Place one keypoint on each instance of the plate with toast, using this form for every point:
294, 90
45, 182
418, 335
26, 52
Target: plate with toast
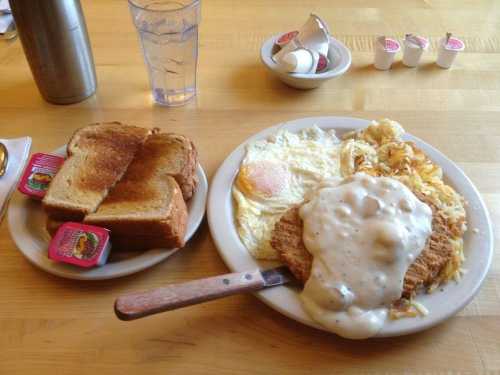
463, 259
146, 187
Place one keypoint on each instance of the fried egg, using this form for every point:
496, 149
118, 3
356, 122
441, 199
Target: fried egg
276, 174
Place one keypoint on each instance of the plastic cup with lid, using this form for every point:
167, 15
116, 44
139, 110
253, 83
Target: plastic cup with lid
449, 47
314, 35
385, 50
414, 47
299, 61
304, 51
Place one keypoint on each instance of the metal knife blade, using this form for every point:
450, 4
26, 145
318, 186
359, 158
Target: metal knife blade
4, 159
277, 276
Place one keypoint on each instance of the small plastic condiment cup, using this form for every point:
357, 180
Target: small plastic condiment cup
38, 174
385, 50
286, 38
414, 47
80, 244
314, 35
299, 61
449, 47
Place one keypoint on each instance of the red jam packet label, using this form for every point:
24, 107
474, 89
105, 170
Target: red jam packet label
80, 244
38, 174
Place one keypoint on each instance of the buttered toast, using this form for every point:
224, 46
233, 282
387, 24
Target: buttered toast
179, 158
147, 205
141, 200
98, 156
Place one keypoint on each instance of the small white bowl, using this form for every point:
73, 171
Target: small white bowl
338, 55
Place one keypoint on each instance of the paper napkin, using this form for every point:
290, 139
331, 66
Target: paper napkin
19, 150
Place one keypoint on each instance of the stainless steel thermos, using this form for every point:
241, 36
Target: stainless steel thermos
56, 44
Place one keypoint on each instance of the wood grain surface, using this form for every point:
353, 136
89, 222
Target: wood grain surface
50, 325
176, 295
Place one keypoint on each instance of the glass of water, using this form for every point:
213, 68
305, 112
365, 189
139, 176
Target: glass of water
168, 30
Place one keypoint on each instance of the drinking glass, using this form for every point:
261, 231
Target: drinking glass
168, 31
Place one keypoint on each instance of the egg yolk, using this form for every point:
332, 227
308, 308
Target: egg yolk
263, 178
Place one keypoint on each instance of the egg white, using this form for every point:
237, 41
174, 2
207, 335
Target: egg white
309, 156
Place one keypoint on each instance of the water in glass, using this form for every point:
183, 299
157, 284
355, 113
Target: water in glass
169, 42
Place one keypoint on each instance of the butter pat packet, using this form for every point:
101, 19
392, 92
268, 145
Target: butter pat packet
38, 174
80, 244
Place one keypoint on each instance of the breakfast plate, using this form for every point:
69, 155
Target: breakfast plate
478, 240
27, 227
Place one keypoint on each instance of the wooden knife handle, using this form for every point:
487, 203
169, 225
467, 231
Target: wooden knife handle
174, 296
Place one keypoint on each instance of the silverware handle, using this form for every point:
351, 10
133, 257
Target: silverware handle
170, 297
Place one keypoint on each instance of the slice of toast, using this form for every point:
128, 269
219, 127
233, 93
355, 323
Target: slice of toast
119, 242
98, 156
179, 157
147, 203
52, 225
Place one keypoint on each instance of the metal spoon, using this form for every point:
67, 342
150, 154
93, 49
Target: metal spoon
11, 31
4, 159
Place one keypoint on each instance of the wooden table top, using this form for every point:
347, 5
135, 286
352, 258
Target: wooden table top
50, 323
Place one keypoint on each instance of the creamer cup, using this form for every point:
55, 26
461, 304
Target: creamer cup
385, 50
414, 47
314, 35
286, 38
291, 46
299, 61
449, 47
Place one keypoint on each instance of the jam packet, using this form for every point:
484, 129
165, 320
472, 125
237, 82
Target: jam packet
80, 244
38, 174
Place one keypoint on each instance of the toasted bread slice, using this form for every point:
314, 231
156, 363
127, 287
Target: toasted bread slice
129, 242
52, 225
287, 241
179, 156
140, 243
98, 156
147, 202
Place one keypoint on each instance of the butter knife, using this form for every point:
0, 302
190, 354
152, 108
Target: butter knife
174, 296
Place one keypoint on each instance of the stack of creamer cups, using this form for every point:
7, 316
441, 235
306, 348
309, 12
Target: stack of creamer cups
414, 47
305, 50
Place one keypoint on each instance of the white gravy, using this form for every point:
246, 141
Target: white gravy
363, 234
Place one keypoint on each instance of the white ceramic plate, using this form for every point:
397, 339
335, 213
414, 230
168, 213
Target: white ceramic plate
442, 305
27, 228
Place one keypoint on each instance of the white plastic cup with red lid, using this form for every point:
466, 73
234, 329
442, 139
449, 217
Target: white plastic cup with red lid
385, 50
414, 47
448, 49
